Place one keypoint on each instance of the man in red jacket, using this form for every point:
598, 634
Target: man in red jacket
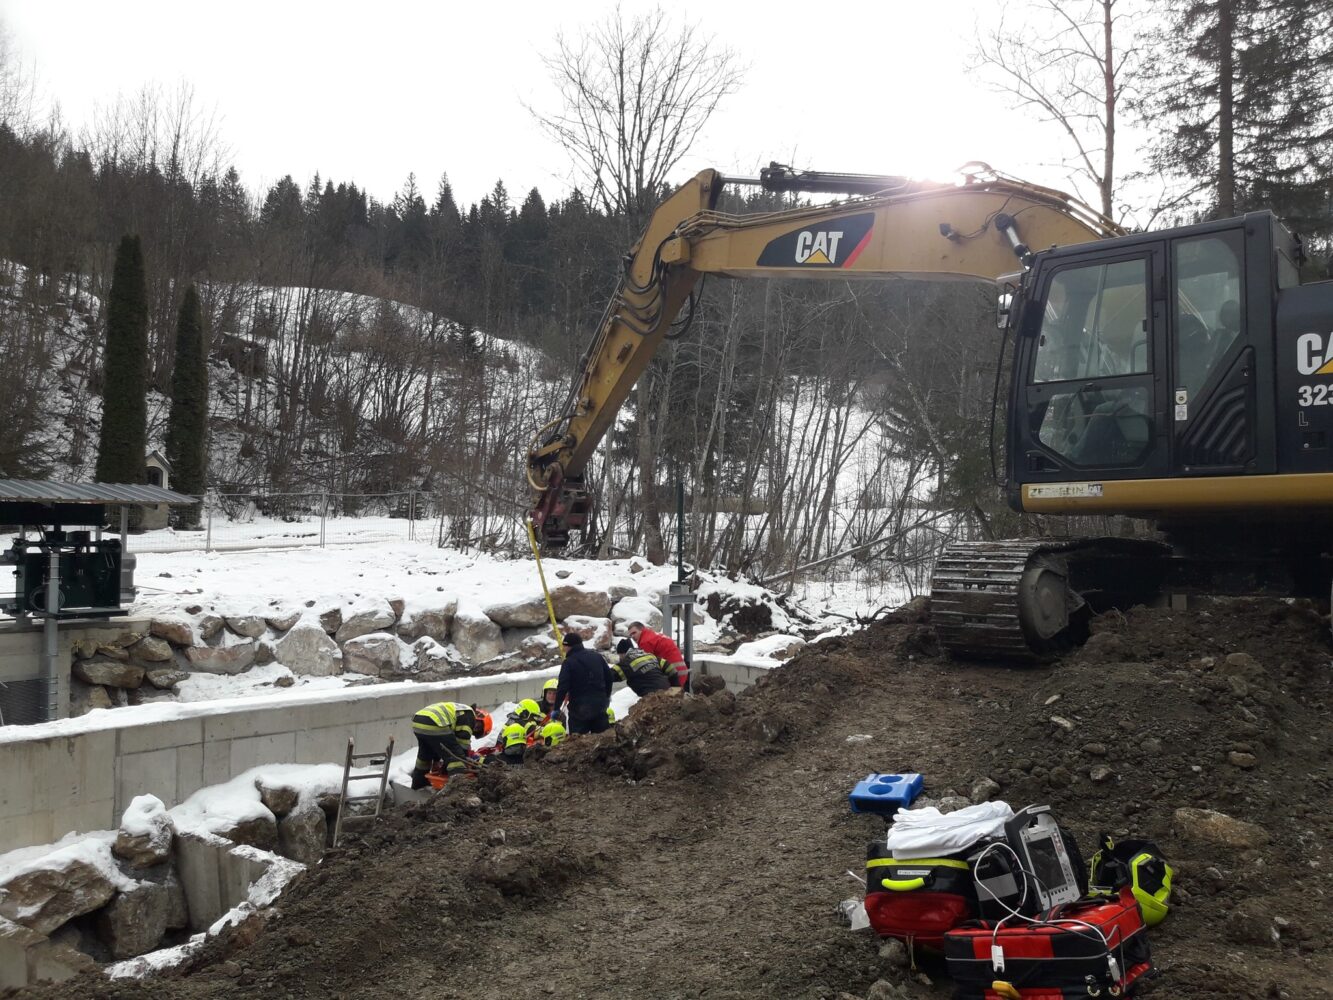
664, 649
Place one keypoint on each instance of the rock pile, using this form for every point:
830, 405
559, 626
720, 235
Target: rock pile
385, 640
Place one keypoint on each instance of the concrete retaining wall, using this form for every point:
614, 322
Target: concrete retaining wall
79, 774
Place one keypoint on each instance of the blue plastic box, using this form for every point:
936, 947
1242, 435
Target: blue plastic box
885, 794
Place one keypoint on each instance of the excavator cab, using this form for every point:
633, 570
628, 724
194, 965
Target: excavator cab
1146, 361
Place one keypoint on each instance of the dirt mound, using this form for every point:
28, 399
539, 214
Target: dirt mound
699, 848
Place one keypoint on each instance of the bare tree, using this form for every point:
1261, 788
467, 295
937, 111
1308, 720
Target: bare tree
18, 89
1072, 64
635, 95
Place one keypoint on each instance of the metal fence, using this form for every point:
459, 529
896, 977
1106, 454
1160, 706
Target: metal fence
233, 522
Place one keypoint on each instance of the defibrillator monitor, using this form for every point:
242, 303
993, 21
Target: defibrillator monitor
1035, 838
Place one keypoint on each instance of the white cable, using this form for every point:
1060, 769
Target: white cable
1011, 912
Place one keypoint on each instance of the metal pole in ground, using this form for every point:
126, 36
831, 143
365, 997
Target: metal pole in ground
680, 530
323, 516
50, 631
411, 515
208, 532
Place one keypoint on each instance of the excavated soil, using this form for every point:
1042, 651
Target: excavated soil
699, 850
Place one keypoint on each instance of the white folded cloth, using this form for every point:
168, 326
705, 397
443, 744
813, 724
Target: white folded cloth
929, 833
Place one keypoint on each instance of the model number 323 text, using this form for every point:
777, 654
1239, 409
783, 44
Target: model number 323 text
1315, 395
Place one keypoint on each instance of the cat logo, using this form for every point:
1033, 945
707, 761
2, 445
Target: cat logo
837, 246
1314, 354
817, 248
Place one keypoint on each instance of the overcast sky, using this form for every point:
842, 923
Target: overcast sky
369, 91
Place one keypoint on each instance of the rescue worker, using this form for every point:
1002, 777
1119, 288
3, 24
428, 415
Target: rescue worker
548, 698
553, 734
585, 679
444, 733
665, 650
513, 743
527, 714
643, 672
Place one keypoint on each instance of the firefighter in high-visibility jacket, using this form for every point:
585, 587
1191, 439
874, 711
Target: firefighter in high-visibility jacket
548, 700
444, 733
643, 672
513, 743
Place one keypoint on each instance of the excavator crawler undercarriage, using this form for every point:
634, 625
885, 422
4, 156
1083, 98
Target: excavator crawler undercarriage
1029, 599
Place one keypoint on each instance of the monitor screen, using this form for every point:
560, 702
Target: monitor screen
1049, 863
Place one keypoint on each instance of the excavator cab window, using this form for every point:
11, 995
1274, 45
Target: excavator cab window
1095, 324
1207, 308
1094, 331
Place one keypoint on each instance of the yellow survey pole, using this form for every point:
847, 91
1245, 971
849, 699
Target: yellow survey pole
550, 608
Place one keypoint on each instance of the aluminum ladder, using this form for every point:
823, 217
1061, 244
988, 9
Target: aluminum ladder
381, 759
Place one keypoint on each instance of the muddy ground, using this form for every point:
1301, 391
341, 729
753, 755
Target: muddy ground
699, 850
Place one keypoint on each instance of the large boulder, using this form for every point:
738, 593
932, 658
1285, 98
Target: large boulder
476, 636
15, 940
281, 623
145, 834
429, 656
134, 922
100, 670
151, 649
176, 631
590, 602
301, 834
258, 830
59, 887
514, 639
210, 627
636, 609
618, 591
332, 620
83, 698
595, 632
249, 626
525, 612
433, 622
222, 659
378, 654
165, 678
307, 649
365, 622
278, 799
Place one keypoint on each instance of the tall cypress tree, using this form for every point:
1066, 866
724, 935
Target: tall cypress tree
187, 424
123, 442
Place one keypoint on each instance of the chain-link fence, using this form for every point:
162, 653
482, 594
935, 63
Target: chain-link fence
237, 521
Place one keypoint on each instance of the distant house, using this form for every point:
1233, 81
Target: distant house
159, 474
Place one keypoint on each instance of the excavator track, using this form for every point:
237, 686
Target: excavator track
1027, 599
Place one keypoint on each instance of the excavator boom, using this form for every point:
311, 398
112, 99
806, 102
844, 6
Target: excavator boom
981, 227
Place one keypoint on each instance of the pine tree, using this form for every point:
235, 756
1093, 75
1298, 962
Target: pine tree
187, 424
1241, 98
123, 442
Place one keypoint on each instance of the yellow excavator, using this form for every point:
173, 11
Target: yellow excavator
1183, 375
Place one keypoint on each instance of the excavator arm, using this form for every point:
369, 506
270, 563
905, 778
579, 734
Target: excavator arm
982, 227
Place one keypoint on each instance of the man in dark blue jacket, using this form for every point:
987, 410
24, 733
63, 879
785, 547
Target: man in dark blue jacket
585, 679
